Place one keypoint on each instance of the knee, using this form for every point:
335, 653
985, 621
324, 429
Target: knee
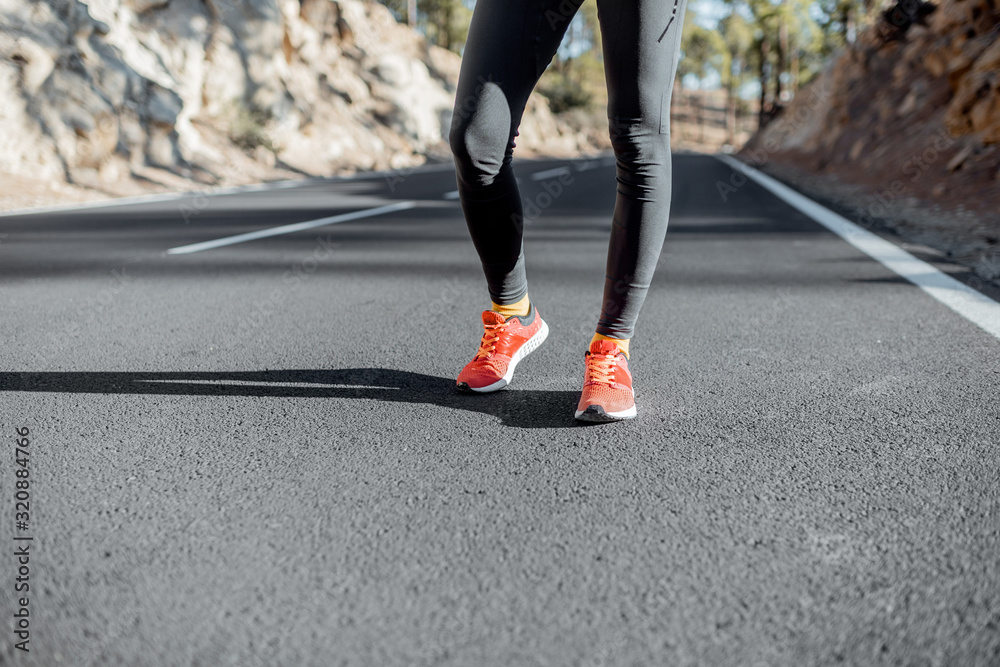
480, 137
642, 151
639, 141
467, 150
478, 147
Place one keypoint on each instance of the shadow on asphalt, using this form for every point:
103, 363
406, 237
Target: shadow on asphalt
519, 408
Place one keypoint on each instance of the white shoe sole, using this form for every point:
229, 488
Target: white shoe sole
529, 346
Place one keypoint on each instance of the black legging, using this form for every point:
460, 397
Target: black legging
510, 44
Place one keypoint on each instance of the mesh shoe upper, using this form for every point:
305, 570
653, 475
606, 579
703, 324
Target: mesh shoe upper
501, 340
607, 381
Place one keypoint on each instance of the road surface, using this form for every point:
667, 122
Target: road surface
252, 453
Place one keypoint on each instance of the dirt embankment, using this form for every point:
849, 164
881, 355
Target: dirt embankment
903, 130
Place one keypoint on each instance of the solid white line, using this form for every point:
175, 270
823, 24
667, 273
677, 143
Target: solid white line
551, 173
288, 229
967, 302
450, 195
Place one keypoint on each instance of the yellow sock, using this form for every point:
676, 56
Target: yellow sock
520, 308
622, 343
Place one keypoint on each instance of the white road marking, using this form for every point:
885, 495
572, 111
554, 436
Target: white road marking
967, 302
288, 229
450, 195
550, 173
588, 165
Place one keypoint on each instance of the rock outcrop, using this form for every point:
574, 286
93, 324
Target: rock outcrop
911, 114
224, 91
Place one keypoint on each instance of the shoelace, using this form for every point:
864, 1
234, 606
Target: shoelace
601, 368
489, 341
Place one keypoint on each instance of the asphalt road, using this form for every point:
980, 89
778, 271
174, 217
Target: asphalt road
253, 454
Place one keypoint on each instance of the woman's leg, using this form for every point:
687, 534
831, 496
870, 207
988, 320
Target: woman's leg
509, 46
641, 49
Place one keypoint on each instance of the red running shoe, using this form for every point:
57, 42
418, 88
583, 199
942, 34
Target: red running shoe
505, 342
607, 385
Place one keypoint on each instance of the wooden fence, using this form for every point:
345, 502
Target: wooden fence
702, 120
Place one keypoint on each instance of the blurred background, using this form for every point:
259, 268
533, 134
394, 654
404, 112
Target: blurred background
890, 112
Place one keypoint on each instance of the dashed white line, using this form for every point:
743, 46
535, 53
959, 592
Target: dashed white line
549, 173
288, 229
450, 195
967, 302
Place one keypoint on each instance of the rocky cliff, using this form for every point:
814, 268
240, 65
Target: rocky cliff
903, 127
224, 91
